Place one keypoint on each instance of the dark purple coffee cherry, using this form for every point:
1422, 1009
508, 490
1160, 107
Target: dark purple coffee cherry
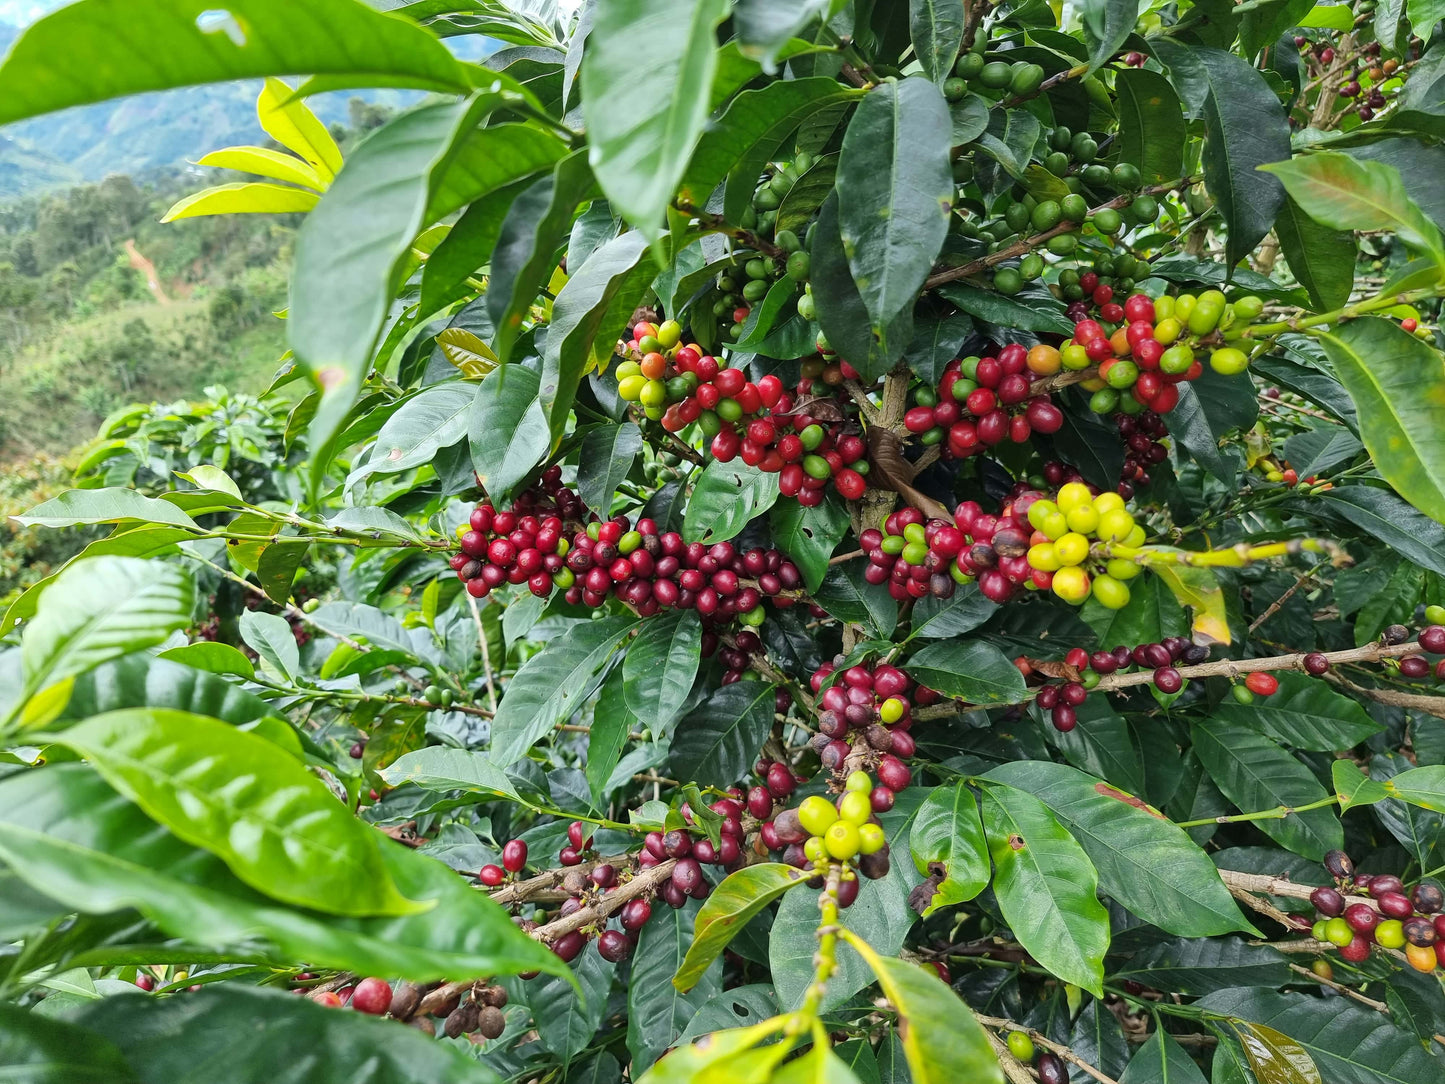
569, 945
1383, 884
1414, 666
676, 844
1168, 680
1051, 1069
1432, 639
1395, 634
1316, 664
848, 893
1420, 931
614, 946
1328, 902
1427, 898
1394, 904
687, 875
635, 914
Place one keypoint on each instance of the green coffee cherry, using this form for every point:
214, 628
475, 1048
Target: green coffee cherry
1007, 281
996, 75
1074, 207
1126, 175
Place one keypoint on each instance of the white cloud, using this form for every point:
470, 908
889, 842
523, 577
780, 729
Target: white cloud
23, 12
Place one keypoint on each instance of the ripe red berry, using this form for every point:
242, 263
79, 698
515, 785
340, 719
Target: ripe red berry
614, 946
491, 876
1316, 664
514, 855
372, 996
1262, 684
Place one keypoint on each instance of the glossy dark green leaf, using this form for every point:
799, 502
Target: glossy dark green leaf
507, 429
777, 304
1245, 128
76, 506
612, 722
565, 1019
940, 619
1151, 614
586, 322
740, 896
537, 222
1046, 887
801, 204
1143, 860
970, 670
608, 453
35, 1049
936, 27
492, 158
1009, 139
554, 683
435, 418
1397, 382
656, 1012
276, 570
1028, 313
1098, 1038
718, 741
1305, 713
936, 341
1262, 26
1349, 1043
841, 311
895, 190
1256, 774
1106, 24
244, 799
1103, 746
269, 1037
1205, 965
78, 841
660, 665
1151, 124
440, 767
643, 121
809, 535
69, 57
1399, 525
1322, 259
846, 595
947, 829
1161, 1060
138, 681
727, 496
99, 609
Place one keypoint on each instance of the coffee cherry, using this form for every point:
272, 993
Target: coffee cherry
1427, 898
1323, 969
1051, 1069
1390, 933
1339, 933
1432, 639
1339, 865
1261, 684
676, 844
1357, 951
514, 855
614, 946
634, 914
1168, 680
373, 996
1316, 664
1327, 901
1362, 917
1420, 931
1383, 884
1395, 634
1021, 1046
492, 876
1420, 957
1395, 904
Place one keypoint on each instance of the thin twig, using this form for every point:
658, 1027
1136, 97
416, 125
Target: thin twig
486, 653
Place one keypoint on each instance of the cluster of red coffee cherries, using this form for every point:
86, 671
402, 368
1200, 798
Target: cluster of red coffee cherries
917, 557
524, 544
869, 708
981, 402
1364, 909
1063, 699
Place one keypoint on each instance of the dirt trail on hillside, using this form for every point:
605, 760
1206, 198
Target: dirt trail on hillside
148, 269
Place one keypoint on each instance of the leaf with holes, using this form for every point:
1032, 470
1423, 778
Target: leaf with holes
810, 535
947, 829
727, 496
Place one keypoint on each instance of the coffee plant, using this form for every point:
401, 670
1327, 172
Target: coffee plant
815, 540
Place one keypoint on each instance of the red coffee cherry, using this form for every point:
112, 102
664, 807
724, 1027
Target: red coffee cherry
372, 996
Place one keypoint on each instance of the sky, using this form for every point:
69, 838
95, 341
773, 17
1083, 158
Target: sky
21, 12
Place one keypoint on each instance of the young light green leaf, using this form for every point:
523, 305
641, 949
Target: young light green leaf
270, 636
439, 767
77, 506
1354, 787
1423, 786
727, 910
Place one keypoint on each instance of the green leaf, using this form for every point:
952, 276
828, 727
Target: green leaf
433, 419
847, 596
1151, 614
554, 683
1197, 588
271, 638
727, 496
585, 324
841, 311
77, 506
1256, 774
1204, 965
1345, 193
137, 681
1027, 313
1354, 787
272, 822
656, 1012
215, 658
660, 665
1322, 258
37, 1050
1144, 861
1424, 787
1274, 1056
1349, 1043
718, 741
969, 669
1161, 1060
947, 829
608, 453
1398, 384
352, 246
567, 1018
1245, 128
466, 247
1151, 124
936, 342
1106, 24
1046, 887
525, 255
809, 535
943, 1041
440, 767
69, 57
612, 722
507, 429
764, 27
936, 27
1306, 714
1400, 526
895, 190
940, 619
276, 569
98, 609
801, 204
727, 910
644, 120
243, 198
488, 159
76, 840
290, 123
181, 1040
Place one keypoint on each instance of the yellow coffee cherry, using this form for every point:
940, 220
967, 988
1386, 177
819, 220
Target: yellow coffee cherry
1044, 558
815, 850
1136, 537
1055, 526
1072, 549
1094, 383
1040, 511
1073, 495
463, 529
626, 369
1071, 584
1121, 569
1083, 519
1108, 501
1115, 525
1111, 593
630, 388
842, 840
1167, 330
855, 808
859, 780
816, 814
669, 333
870, 838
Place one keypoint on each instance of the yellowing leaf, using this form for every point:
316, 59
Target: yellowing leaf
265, 163
290, 123
1198, 587
467, 352
245, 198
